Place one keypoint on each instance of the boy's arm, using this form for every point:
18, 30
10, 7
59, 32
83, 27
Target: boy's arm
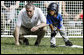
53, 32
60, 23
51, 26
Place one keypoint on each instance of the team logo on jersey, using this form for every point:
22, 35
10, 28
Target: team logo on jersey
35, 17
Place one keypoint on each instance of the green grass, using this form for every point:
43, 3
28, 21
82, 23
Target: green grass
8, 47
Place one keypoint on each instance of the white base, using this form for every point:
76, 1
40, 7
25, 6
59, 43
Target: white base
73, 46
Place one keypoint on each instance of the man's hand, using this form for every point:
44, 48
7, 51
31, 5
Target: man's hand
17, 44
34, 29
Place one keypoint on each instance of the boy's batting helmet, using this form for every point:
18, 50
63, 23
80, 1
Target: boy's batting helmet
53, 6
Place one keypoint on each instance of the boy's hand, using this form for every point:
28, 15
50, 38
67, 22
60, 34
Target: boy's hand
53, 33
58, 29
17, 43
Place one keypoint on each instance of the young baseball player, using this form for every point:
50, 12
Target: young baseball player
55, 22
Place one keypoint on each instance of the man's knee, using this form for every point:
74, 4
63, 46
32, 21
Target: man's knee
42, 32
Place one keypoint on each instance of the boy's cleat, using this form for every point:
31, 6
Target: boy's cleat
23, 41
68, 43
53, 46
26, 41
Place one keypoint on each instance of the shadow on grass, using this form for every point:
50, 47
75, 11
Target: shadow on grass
44, 46
7, 43
32, 45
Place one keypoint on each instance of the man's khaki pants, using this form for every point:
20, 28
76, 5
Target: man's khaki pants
25, 31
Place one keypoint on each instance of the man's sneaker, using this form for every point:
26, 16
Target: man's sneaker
36, 44
53, 46
26, 41
68, 43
